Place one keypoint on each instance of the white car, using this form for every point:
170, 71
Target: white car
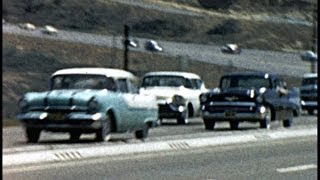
177, 93
152, 45
27, 26
49, 30
231, 49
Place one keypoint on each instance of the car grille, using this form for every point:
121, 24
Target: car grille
64, 109
309, 98
238, 109
308, 91
164, 108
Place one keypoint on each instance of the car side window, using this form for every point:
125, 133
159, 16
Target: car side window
127, 86
189, 84
123, 86
132, 87
197, 83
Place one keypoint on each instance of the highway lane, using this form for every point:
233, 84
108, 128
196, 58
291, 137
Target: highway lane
269, 61
276, 159
14, 137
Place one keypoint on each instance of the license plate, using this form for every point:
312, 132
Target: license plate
57, 116
230, 113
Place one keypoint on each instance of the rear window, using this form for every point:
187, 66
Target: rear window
245, 82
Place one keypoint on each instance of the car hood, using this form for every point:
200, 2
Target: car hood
165, 92
62, 97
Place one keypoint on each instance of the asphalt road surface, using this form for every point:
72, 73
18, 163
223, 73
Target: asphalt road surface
281, 159
14, 137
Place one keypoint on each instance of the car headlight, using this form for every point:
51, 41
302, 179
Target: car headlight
177, 100
262, 90
93, 106
203, 98
23, 104
262, 109
259, 99
252, 93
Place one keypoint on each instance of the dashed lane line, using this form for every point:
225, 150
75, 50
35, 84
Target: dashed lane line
297, 168
59, 155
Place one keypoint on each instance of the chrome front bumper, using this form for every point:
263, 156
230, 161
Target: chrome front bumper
171, 111
237, 116
61, 121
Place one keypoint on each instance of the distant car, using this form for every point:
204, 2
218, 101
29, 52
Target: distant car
89, 100
133, 43
49, 30
308, 92
231, 49
309, 56
177, 93
152, 45
251, 97
27, 26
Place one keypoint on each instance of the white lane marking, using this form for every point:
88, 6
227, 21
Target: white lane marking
89, 152
297, 168
293, 133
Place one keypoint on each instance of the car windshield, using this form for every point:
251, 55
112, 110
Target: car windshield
245, 82
309, 81
169, 81
82, 82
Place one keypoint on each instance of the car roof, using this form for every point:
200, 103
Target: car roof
173, 73
115, 73
258, 73
232, 46
310, 75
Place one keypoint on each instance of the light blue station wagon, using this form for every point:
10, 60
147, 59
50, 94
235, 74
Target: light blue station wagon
88, 100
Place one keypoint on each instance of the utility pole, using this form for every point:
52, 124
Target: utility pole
126, 44
314, 39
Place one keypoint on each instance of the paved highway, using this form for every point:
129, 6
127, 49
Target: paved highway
14, 140
281, 159
269, 61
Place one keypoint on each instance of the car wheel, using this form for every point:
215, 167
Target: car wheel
209, 124
33, 134
143, 133
102, 132
310, 111
234, 125
266, 122
287, 122
75, 135
183, 119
